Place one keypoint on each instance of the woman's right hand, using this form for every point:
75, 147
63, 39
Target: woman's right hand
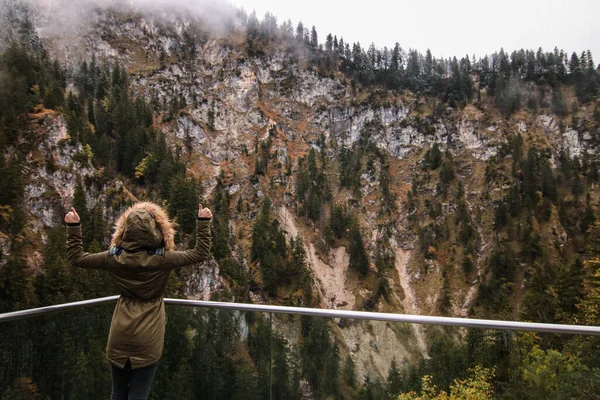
73, 218
204, 212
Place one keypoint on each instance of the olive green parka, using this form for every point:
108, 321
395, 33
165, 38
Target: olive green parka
139, 262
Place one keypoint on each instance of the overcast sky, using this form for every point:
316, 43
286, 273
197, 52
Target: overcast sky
448, 27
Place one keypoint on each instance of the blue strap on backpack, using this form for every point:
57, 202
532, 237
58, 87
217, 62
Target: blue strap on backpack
116, 251
157, 252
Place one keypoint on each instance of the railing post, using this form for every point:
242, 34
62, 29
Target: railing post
270, 357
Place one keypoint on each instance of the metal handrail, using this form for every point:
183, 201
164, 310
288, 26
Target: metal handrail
34, 312
328, 313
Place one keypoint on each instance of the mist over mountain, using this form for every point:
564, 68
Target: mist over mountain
57, 17
343, 177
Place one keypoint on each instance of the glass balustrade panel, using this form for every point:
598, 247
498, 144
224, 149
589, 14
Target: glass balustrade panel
223, 354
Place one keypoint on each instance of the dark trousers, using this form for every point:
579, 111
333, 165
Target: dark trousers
131, 384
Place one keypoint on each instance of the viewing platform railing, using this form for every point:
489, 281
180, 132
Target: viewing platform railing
58, 351
327, 313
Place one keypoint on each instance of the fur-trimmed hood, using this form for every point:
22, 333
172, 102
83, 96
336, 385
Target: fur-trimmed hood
144, 225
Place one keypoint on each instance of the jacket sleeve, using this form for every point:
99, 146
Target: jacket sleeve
79, 258
198, 254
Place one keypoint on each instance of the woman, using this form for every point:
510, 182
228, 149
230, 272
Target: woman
139, 261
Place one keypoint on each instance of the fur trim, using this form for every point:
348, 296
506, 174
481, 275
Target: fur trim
160, 216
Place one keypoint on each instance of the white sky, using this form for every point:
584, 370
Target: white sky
447, 27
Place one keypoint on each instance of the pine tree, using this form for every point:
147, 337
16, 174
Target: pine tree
221, 248
332, 371
445, 301
541, 298
548, 183
559, 106
433, 157
570, 289
316, 346
338, 221
314, 39
329, 44
394, 380
281, 385
341, 48
258, 343
349, 372
253, 34
56, 286
501, 216
183, 203
16, 286
300, 32
589, 217
359, 260
259, 233
12, 195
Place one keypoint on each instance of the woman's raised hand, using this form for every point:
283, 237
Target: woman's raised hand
204, 212
72, 217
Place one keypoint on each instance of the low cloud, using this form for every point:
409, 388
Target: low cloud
64, 18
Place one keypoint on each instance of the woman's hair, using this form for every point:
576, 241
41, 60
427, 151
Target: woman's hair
160, 216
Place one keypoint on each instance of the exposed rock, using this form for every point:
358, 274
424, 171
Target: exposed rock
202, 281
331, 276
373, 345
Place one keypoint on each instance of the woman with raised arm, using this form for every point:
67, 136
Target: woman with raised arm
139, 261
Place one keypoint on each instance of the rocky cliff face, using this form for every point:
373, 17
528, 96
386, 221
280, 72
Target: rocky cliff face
229, 104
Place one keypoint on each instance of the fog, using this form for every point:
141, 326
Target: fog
65, 18
456, 28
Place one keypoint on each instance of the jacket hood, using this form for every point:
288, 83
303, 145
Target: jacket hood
145, 225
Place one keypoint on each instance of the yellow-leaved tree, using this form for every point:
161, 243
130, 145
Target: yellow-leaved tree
477, 386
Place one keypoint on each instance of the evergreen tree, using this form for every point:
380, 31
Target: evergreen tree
589, 217
548, 183
501, 216
433, 157
300, 32
394, 380
221, 247
281, 385
56, 284
559, 106
183, 203
12, 193
350, 168
338, 221
314, 39
16, 286
349, 372
359, 260
541, 298
332, 371
329, 43
269, 248
570, 289
316, 346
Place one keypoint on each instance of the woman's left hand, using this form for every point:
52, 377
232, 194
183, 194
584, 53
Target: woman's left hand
204, 212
